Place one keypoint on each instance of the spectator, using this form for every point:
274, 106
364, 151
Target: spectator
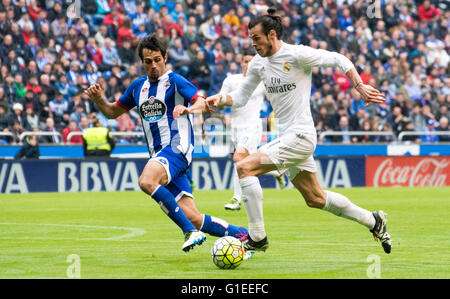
74, 72
110, 55
217, 76
411, 90
103, 7
169, 24
323, 122
367, 74
396, 120
90, 75
125, 34
417, 118
16, 131
72, 127
83, 124
343, 127
59, 27
345, 20
438, 55
386, 138
102, 35
125, 123
29, 149
357, 102
76, 115
179, 57
405, 16
199, 71
409, 127
126, 54
32, 118
5, 119
113, 21
177, 12
50, 127
429, 128
428, 12
60, 110
19, 116
357, 118
443, 127
443, 112
19, 86
341, 79
207, 29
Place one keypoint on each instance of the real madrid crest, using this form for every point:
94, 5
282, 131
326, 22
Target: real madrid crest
286, 67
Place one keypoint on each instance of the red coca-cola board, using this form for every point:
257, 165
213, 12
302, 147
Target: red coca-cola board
408, 171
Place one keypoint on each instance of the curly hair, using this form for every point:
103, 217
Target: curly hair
151, 42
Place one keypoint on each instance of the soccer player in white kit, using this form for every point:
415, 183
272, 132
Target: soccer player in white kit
246, 127
285, 71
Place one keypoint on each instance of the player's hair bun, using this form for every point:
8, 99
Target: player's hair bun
271, 11
271, 21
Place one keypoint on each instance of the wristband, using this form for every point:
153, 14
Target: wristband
223, 100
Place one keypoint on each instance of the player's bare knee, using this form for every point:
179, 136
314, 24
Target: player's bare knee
147, 184
242, 169
237, 158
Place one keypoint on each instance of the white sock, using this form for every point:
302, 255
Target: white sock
341, 206
237, 187
252, 197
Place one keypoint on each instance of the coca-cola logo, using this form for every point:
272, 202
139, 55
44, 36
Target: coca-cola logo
427, 172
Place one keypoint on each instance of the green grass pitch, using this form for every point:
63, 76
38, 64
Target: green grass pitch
126, 235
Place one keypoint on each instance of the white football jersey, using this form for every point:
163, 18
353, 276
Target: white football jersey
250, 111
286, 76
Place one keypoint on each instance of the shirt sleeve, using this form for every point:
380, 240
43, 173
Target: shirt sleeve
186, 89
127, 101
226, 86
308, 57
242, 94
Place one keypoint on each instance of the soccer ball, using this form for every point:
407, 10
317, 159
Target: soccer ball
227, 253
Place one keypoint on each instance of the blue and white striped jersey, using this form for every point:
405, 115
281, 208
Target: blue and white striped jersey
155, 102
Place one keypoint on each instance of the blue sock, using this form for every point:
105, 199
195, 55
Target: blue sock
218, 227
168, 204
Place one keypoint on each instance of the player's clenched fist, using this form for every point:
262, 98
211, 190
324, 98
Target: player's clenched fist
215, 101
95, 92
180, 110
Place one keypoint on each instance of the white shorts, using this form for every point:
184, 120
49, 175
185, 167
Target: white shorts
292, 153
247, 136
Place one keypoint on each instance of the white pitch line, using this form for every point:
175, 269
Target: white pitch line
134, 232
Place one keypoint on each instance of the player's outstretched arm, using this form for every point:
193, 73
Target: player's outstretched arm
368, 93
200, 105
110, 110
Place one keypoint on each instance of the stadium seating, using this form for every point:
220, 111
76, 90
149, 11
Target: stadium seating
50, 51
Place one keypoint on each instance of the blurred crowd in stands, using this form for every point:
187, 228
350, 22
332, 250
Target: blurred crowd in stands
52, 50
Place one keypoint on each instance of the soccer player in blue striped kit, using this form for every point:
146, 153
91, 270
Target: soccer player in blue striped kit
166, 102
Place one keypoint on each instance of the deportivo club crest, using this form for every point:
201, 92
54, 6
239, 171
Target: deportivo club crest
152, 110
286, 67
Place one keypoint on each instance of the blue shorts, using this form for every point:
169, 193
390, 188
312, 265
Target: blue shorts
176, 166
